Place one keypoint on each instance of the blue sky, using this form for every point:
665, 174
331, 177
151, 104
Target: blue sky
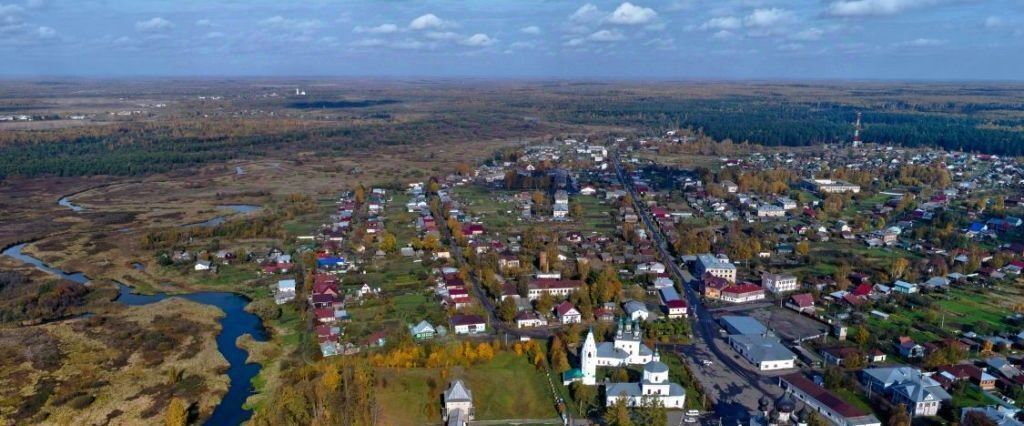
641, 39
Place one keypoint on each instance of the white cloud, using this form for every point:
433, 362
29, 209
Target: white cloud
532, 29
921, 42
44, 33
522, 45
305, 26
443, 35
430, 21
763, 18
204, 23
678, 5
723, 35
406, 44
478, 40
213, 35
368, 42
587, 13
606, 36
9, 10
790, 47
722, 23
601, 36
661, 43
155, 24
810, 34
379, 29
629, 14
994, 22
854, 8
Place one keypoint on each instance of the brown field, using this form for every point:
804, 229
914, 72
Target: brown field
91, 381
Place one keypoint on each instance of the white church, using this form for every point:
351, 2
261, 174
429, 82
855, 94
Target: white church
627, 349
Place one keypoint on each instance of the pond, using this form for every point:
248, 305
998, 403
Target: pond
235, 323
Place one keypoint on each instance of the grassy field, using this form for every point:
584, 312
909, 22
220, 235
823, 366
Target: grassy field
507, 387
856, 399
596, 216
971, 396
485, 204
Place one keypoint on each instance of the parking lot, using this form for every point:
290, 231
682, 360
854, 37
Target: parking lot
787, 324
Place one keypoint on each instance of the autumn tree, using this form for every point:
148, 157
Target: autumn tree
585, 397
576, 211
557, 355
618, 414
545, 302
177, 413
388, 243
507, 309
860, 335
899, 267
803, 248
842, 276
899, 416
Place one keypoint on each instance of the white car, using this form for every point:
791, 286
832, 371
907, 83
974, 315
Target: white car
693, 413
706, 362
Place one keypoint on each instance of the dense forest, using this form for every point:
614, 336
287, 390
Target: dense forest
974, 118
133, 149
776, 122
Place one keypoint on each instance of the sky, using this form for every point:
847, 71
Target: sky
636, 39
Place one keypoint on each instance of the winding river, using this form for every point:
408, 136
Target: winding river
235, 323
217, 220
66, 202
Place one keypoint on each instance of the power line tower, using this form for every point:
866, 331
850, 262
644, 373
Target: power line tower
856, 132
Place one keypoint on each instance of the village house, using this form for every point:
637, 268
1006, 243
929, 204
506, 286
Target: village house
712, 286
818, 399
567, 313
922, 395
675, 306
468, 324
742, 293
803, 303
635, 311
779, 283
423, 331
709, 264
285, 292
527, 319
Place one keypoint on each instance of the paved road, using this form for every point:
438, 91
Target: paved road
730, 384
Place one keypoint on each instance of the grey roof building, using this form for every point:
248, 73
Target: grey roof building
458, 404
654, 384
907, 385
1000, 416
766, 353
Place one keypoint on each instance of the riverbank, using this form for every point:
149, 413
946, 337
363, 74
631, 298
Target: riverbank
119, 366
232, 323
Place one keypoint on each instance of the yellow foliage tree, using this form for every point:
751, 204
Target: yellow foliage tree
177, 413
